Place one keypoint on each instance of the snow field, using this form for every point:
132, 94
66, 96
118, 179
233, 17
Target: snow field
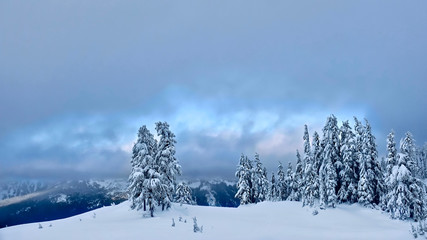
267, 220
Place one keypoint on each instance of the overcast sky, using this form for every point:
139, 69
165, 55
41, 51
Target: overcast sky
78, 78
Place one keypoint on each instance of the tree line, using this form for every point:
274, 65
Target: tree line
343, 167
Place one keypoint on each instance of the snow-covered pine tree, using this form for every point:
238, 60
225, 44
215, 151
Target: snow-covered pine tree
417, 199
307, 149
424, 156
260, 181
365, 187
348, 173
358, 131
289, 180
273, 195
256, 177
407, 148
391, 153
421, 164
422, 161
265, 185
169, 167
245, 191
310, 173
143, 170
391, 162
317, 160
370, 186
183, 194
379, 176
323, 197
297, 180
330, 164
280, 183
330, 182
419, 202
406, 198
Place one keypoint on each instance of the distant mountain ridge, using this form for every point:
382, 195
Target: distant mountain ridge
34, 201
19, 188
218, 193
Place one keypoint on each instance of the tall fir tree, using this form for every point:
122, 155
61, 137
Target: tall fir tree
245, 191
265, 185
169, 167
358, 131
422, 161
310, 172
330, 165
144, 179
406, 196
391, 153
390, 162
273, 196
289, 181
370, 186
260, 181
280, 183
348, 173
298, 178
317, 160
407, 148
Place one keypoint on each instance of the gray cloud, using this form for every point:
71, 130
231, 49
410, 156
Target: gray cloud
106, 67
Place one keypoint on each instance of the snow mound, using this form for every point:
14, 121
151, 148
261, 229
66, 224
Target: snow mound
268, 220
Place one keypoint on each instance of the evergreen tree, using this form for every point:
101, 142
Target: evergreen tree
330, 179
422, 161
144, 177
265, 185
281, 186
307, 148
407, 148
330, 165
391, 153
406, 198
289, 182
169, 167
358, 131
348, 173
419, 162
297, 183
310, 172
183, 194
370, 186
391, 162
260, 180
245, 190
317, 162
273, 189
323, 196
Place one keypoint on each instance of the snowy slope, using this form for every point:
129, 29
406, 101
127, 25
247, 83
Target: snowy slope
268, 220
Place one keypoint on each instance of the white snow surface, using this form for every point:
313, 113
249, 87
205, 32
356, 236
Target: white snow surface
268, 220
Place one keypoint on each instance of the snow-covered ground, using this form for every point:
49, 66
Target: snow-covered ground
268, 220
